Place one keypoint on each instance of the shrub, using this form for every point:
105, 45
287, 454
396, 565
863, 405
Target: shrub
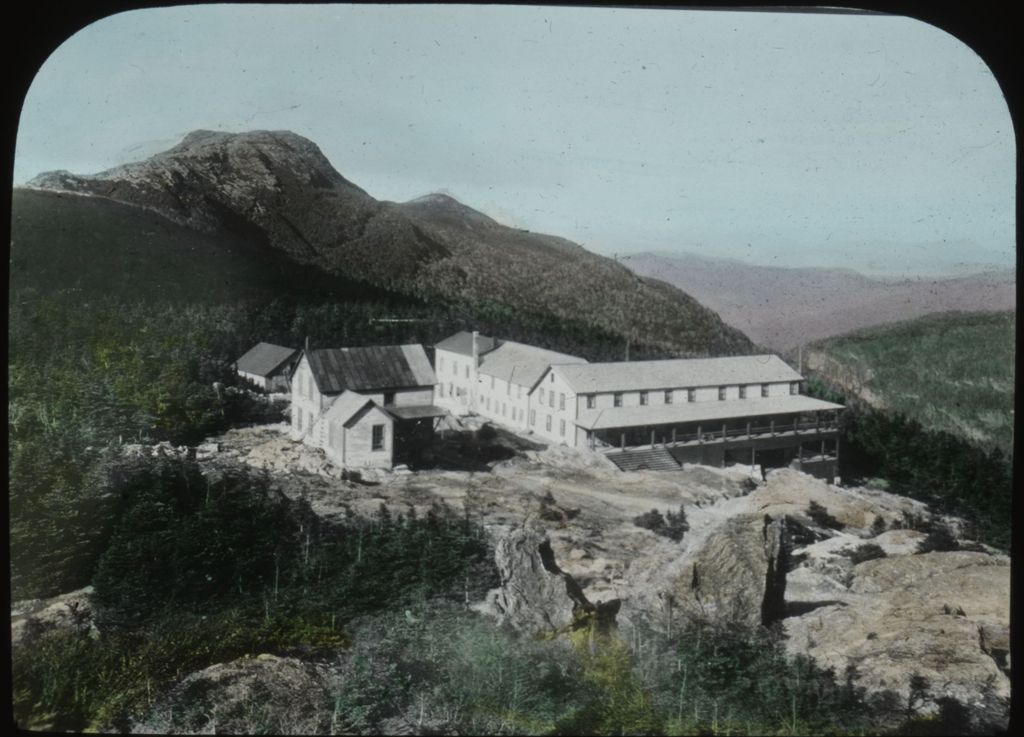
486, 433
939, 539
865, 552
878, 526
821, 517
673, 525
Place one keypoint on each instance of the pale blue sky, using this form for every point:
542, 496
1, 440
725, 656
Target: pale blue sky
878, 143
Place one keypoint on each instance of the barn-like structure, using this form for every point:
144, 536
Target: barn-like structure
369, 407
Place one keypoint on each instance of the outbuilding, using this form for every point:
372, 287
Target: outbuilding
267, 366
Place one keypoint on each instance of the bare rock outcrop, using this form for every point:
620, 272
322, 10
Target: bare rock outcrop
738, 574
942, 616
536, 595
261, 695
32, 618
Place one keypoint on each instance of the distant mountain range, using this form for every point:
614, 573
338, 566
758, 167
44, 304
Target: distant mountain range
783, 307
272, 199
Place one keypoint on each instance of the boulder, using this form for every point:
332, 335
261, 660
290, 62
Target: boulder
265, 694
535, 595
738, 574
32, 618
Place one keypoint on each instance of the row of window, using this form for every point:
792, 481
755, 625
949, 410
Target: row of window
551, 398
547, 422
691, 395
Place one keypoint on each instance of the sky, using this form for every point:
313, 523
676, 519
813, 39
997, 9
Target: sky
877, 143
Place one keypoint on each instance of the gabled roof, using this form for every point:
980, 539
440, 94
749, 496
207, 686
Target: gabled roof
522, 364
370, 368
462, 342
666, 414
677, 372
346, 406
264, 359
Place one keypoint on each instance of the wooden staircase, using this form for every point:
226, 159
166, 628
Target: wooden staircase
648, 459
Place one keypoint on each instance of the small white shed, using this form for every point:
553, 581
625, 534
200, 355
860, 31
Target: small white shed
267, 366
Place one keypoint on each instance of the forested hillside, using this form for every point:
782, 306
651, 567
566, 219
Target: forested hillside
277, 189
951, 373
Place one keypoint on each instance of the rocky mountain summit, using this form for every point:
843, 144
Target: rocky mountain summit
837, 569
277, 189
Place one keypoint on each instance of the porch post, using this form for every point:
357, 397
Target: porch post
652, 437
673, 436
700, 437
771, 426
623, 440
723, 432
817, 422
748, 428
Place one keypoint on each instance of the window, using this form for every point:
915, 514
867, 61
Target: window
794, 387
561, 428
617, 399
691, 395
591, 401
378, 437
389, 399
547, 423
561, 401
450, 389
764, 390
533, 417
721, 392
504, 408
552, 377
643, 398
540, 395
551, 399
668, 396
743, 391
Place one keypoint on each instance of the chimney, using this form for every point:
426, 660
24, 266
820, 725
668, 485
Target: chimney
476, 350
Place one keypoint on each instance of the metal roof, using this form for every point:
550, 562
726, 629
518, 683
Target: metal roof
462, 342
370, 368
675, 373
416, 412
667, 414
522, 364
263, 359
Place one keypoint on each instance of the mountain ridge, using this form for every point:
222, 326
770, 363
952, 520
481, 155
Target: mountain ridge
277, 188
